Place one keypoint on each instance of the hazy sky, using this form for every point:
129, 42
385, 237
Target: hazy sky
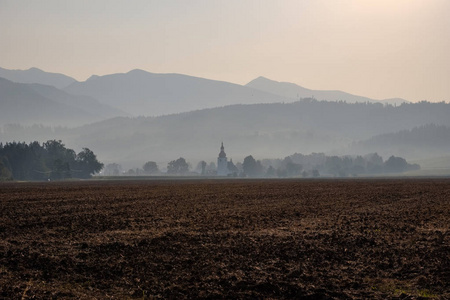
380, 49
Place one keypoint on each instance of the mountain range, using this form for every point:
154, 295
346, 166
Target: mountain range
141, 93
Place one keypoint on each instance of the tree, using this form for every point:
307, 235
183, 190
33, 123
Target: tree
281, 172
5, 173
211, 169
131, 172
150, 167
52, 160
201, 167
358, 166
249, 166
374, 163
271, 172
61, 169
60, 160
293, 169
252, 168
179, 166
112, 169
395, 164
87, 163
232, 168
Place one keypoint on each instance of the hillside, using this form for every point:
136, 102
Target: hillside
430, 139
291, 90
29, 104
141, 93
35, 75
87, 103
262, 130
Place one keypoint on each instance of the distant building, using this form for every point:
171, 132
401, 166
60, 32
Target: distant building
222, 163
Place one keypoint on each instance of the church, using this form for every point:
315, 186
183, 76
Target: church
222, 163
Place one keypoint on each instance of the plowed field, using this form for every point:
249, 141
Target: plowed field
304, 239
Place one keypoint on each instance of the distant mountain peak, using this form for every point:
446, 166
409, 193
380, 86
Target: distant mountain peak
93, 77
137, 71
34, 69
261, 79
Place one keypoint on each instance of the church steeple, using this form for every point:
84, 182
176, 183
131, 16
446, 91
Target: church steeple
222, 162
222, 152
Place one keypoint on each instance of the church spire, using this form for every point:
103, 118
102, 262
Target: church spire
222, 162
222, 151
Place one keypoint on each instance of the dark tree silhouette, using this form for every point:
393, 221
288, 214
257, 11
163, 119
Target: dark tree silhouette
179, 166
87, 163
252, 168
150, 167
232, 168
202, 167
5, 173
52, 160
398, 165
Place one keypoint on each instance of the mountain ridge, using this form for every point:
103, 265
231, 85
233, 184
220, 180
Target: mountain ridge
292, 90
139, 92
159, 94
35, 75
20, 103
33, 103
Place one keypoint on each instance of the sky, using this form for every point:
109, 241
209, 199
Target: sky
379, 49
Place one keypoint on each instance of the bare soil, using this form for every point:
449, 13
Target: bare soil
304, 239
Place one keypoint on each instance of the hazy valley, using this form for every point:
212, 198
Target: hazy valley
139, 116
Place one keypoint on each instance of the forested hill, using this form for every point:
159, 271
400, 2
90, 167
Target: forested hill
431, 139
263, 130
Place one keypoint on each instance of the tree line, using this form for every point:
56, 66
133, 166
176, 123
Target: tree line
175, 167
53, 161
49, 161
316, 164
296, 165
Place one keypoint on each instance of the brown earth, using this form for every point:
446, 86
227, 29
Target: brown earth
304, 239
